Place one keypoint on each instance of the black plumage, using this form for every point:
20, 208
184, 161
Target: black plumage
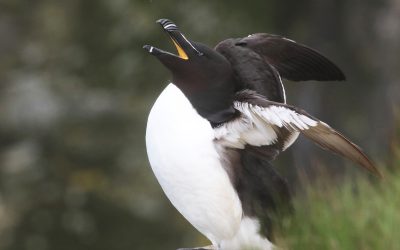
294, 61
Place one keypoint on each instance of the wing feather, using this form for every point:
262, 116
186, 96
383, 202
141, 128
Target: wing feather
294, 61
281, 116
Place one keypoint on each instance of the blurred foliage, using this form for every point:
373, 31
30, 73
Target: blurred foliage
76, 88
359, 214
356, 213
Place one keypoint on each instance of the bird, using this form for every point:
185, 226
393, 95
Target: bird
215, 129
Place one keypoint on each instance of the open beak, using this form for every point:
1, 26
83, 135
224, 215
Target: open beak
183, 46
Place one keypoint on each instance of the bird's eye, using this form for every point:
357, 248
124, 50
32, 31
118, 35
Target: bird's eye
241, 43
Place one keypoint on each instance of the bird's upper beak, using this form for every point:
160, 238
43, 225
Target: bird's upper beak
184, 47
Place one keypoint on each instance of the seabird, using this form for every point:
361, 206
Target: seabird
213, 132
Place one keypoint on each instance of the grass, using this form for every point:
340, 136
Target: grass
357, 214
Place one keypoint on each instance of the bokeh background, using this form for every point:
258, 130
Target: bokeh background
76, 88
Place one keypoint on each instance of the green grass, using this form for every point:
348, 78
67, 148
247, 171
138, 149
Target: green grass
357, 214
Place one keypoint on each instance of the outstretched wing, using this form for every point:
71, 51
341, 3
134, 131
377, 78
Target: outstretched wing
281, 117
294, 61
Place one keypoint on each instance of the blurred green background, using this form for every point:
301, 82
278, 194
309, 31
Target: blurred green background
76, 88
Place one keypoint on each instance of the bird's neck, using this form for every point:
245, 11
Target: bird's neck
213, 102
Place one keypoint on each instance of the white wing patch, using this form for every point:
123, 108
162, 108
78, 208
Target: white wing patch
287, 39
279, 116
255, 125
283, 88
263, 125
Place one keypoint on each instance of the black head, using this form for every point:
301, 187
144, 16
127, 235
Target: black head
204, 75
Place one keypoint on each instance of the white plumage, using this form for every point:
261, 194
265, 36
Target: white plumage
183, 157
182, 154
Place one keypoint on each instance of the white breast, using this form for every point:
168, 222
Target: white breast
184, 159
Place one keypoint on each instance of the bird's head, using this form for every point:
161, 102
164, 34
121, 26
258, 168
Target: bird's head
195, 65
204, 75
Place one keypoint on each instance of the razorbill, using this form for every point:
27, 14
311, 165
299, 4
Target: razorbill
214, 130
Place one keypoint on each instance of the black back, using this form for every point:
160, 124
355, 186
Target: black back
251, 70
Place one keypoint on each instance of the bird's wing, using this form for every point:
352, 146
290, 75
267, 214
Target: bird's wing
280, 116
252, 71
294, 61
